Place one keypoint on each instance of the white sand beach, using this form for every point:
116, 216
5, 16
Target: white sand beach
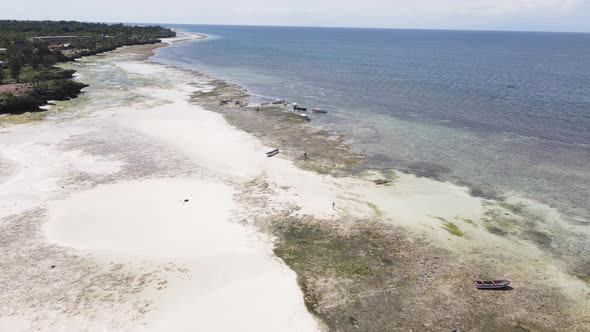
131, 216
215, 274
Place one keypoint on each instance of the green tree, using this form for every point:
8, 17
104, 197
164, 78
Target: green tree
15, 62
31, 57
49, 60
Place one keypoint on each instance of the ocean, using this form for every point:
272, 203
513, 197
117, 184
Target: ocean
504, 113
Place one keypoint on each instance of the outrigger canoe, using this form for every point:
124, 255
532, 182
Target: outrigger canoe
272, 153
491, 284
381, 181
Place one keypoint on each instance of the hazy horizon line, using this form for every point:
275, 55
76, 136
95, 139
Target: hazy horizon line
308, 26
361, 27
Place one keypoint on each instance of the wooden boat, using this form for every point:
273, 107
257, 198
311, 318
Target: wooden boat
491, 284
272, 153
319, 110
299, 108
381, 181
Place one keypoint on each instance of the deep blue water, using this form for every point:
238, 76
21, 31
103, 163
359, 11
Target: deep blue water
501, 111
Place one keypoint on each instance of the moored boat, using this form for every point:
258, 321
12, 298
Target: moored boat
491, 284
296, 107
318, 110
382, 181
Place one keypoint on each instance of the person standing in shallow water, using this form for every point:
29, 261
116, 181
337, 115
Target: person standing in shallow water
333, 206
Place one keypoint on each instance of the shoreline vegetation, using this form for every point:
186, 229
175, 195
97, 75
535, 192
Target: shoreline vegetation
367, 258
31, 49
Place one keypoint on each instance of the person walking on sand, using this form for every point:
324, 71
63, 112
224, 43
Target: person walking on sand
333, 206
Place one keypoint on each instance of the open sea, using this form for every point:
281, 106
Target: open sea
506, 113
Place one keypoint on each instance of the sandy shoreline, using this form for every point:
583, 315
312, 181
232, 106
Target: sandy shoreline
152, 260
140, 210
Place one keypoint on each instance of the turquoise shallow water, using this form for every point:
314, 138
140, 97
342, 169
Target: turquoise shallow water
504, 112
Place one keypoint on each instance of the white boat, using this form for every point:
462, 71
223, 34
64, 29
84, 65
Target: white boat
305, 117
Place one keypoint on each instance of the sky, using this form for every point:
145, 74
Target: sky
527, 15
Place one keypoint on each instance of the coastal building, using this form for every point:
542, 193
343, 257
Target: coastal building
55, 40
61, 47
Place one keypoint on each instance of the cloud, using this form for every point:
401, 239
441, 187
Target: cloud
441, 8
262, 9
276, 10
518, 6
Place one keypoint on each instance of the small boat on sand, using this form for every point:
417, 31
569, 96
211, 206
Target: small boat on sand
272, 153
296, 107
381, 181
305, 117
319, 110
491, 284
